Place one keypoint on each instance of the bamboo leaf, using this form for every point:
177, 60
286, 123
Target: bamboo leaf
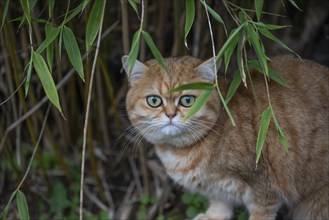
46, 79
51, 4
259, 8
294, 4
280, 132
269, 26
134, 50
28, 75
3, 215
73, 51
189, 18
5, 12
198, 104
258, 47
233, 86
51, 34
76, 11
26, 8
22, 206
214, 14
94, 22
225, 105
270, 36
133, 5
229, 51
240, 60
155, 51
229, 41
49, 48
272, 74
264, 124
199, 85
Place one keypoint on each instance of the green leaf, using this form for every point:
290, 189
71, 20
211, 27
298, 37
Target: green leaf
294, 4
214, 14
26, 8
200, 85
258, 47
73, 51
233, 86
133, 5
51, 34
270, 36
46, 79
28, 75
240, 60
51, 4
230, 49
225, 106
269, 26
134, 50
229, 41
272, 74
155, 51
259, 8
84, 4
280, 132
22, 206
49, 49
5, 12
3, 215
264, 124
76, 11
94, 22
189, 18
198, 104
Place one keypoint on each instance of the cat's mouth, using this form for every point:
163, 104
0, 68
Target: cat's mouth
170, 129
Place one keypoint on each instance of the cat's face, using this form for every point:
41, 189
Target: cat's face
159, 116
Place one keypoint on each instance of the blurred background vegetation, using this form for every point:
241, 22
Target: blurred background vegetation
123, 178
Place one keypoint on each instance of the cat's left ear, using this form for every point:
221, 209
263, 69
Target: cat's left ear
206, 69
136, 72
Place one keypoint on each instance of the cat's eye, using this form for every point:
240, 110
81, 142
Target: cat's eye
154, 101
187, 101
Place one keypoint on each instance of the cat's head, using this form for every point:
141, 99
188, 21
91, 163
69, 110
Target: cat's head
158, 115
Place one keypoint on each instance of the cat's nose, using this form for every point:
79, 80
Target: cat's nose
171, 115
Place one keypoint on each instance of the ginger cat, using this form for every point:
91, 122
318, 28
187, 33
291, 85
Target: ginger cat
208, 155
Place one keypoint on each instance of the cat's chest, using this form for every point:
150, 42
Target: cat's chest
192, 171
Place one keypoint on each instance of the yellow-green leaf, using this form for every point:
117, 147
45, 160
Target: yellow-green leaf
198, 104
199, 85
73, 51
22, 206
94, 22
51, 34
134, 50
294, 4
230, 49
5, 11
280, 132
233, 86
264, 124
214, 14
259, 8
133, 5
189, 17
26, 8
156, 53
46, 79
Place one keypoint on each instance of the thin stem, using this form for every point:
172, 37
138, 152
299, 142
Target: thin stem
85, 129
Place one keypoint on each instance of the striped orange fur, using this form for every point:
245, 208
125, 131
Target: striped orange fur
208, 155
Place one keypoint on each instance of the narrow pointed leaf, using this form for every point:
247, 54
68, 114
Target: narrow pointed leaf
49, 48
73, 51
26, 8
22, 206
229, 41
270, 26
199, 103
154, 50
229, 51
214, 14
200, 85
189, 18
51, 4
134, 50
94, 22
76, 11
270, 36
280, 132
46, 79
51, 34
233, 86
271, 73
28, 75
84, 4
294, 4
258, 47
240, 60
4, 212
259, 8
264, 124
133, 5
5, 12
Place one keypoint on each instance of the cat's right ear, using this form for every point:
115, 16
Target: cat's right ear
136, 72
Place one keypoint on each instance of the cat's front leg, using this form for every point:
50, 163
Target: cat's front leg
259, 212
217, 211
